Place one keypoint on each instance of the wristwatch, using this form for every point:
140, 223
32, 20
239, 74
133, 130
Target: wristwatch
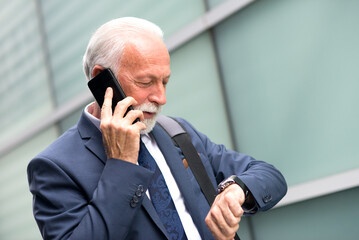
231, 180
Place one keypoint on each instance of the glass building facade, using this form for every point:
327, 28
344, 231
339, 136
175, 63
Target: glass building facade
276, 79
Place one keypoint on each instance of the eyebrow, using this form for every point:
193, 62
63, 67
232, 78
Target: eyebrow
152, 76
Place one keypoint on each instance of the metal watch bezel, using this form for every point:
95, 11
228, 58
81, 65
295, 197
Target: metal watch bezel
229, 181
224, 184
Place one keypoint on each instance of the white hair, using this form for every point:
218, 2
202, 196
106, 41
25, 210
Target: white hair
106, 45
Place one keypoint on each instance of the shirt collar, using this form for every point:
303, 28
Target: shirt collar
92, 118
97, 122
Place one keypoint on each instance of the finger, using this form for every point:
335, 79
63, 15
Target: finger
122, 107
140, 126
213, 227
230, 223
228, 215
216, 214
132, 115
236, 209
222, 215
106, 109
218, 233
233, 196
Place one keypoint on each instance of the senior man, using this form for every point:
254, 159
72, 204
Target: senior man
93, 181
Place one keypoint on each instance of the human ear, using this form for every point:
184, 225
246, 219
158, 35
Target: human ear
96, 70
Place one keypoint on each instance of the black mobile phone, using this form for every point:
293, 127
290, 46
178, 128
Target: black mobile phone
101, 82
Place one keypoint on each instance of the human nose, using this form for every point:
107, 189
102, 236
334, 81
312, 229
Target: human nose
159, 94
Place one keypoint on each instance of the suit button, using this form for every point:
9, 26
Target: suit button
140, 188
138, 193
267, 198
133, 204
135, 199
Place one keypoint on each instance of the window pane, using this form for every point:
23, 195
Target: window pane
319, 218
70, 120
291, 74
69, 27
214, 3
194, 91
24, 90
16, 217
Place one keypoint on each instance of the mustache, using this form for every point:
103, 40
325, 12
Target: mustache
151, 108
148, 107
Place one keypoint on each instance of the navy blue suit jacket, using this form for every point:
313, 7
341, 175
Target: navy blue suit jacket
78, 194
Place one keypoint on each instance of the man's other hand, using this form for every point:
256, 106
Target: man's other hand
226, 212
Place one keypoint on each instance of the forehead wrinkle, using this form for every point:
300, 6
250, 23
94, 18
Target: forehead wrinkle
139, 58
132, 57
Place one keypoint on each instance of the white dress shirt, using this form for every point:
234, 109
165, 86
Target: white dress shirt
186, 219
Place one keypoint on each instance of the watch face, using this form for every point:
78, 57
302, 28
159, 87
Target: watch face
230, 180
224, 184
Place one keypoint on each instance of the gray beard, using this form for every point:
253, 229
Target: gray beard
149, 122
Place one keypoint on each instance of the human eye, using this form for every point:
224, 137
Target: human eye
144, 82
165, 81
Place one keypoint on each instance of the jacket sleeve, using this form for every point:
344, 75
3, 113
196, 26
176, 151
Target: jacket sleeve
265, 182
63, 211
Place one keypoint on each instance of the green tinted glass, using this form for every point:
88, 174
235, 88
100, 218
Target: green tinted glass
193, 91
16, 217
24, 87
69, 27
290, 70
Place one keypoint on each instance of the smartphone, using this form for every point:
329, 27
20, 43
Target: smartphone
101, 82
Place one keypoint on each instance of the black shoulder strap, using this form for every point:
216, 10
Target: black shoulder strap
180, 136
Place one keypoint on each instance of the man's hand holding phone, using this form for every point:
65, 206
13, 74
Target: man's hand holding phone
121, 136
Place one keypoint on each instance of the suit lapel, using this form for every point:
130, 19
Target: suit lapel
179, 173
92, 136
